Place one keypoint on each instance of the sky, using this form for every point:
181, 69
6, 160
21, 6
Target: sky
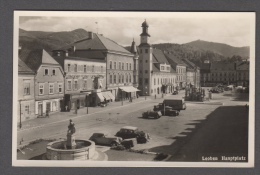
234, 31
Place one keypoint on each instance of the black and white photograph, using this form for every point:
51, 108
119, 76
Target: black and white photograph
133, 89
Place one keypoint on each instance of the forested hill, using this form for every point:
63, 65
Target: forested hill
49, 40
220, 48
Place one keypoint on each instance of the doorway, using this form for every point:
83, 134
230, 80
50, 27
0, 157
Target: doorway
40, 109
48, 107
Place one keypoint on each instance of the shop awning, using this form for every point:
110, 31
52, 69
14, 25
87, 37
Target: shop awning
112, 97
100, 97
106, 96
129, 89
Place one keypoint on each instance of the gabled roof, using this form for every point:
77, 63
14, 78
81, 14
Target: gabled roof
23, 68
159, 57
34, 58
174, 59
190, 64
98, 42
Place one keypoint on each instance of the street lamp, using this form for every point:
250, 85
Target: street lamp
87, 102
145, 92
20, 124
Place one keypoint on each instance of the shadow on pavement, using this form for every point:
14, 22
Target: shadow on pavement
241, 97
223, 132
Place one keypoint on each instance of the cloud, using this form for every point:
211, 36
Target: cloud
232, 31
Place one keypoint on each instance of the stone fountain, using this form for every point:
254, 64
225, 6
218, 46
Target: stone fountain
71, 149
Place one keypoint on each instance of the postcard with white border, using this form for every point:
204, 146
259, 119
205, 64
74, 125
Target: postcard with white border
133, 89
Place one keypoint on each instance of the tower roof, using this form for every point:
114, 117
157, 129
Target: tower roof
133, 47
145, 24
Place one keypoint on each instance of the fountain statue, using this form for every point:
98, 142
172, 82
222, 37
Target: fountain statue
71, 144
71, 149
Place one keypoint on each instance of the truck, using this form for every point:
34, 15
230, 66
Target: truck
175, 104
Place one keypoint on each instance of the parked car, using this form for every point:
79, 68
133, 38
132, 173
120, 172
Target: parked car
168, 111
103, 104
128, 132
152, 114
175, 93
103, 139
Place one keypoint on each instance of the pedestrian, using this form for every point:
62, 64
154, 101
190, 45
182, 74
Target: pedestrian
47, 113
155, 96
66, 108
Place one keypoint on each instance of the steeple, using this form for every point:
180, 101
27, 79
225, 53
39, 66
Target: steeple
145, 29
133, 47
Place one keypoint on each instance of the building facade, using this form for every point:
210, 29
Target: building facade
156, 75
84, 81
193, 74
242, 69
26, 101
49, 82
180, 68
118, 69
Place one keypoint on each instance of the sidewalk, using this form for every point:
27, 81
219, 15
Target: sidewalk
61, 116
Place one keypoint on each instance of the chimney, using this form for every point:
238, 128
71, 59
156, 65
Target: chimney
90, 35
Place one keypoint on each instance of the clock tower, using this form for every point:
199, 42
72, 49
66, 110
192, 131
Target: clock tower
145, 61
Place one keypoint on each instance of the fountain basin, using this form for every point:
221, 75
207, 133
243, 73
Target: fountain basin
85, 150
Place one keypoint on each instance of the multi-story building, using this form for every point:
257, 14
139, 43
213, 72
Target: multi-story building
180, 69
84, 81
242, 69
119, 62
49, 81
193, 73
26, 105
156, 75
205, 76
224, 73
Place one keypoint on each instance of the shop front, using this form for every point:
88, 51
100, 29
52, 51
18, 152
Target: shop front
128, 92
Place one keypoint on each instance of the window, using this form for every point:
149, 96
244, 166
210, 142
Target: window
53, 72
123, 66
123, 78
146, 50
140, 61
130, 66
140, 71
126, 78
114, 78
126, 66
158, 81
75, 67
93, 68
41, 89
119, 78
140, 50
110, 79
154, 81
46, 71
26, 88
85, 84
110, 64
114, 65
27, 109
69, 85
146, 61
146, 81
119, 65
140, 81
51, 88
85, 68
68, 67
146, 71
102, 69
60, 88
75, 84
130, 78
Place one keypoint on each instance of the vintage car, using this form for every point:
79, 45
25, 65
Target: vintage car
152, 114
103, 139
175, 93
168, 111
128, 132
